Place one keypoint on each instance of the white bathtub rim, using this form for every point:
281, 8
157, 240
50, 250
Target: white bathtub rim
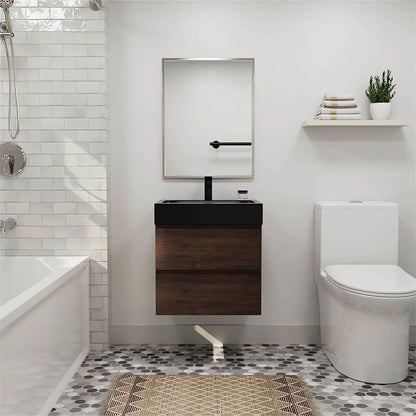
16, 308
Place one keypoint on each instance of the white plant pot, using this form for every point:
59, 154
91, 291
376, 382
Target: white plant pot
380, 111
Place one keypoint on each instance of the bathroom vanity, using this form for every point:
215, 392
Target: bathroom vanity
208, 252
208, 257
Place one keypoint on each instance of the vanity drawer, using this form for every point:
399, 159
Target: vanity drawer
208, 293
210, 248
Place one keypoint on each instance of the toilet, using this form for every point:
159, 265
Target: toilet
365, 299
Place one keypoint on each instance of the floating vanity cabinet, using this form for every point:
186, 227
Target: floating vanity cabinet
207, 265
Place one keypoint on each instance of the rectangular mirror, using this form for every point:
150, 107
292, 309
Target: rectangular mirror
207, 101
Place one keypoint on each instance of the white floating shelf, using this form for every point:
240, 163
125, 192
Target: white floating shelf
354, 123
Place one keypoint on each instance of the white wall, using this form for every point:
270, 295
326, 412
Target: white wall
302, 49
60, 199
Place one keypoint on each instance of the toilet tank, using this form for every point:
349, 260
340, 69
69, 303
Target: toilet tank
355, 232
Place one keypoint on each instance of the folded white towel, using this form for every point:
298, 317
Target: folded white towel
338, 97
338, 117
341, 110
346, 103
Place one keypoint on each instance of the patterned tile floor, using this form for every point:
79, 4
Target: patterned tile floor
336, 395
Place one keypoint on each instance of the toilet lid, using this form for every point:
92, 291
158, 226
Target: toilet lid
373, 279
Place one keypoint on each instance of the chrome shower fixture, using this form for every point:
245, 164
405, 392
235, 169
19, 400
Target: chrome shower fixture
6, 35
5, 4
94, 4
6, 26
7, 225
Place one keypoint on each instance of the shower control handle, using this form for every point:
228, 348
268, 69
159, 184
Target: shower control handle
10, 159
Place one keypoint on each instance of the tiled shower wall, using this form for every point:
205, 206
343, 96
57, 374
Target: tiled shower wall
60, 200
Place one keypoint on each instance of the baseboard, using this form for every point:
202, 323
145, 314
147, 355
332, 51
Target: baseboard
228, 334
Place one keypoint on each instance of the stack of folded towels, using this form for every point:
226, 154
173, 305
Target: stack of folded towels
338, 107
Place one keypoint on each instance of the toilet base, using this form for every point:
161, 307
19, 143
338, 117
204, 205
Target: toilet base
365, 338
361, 376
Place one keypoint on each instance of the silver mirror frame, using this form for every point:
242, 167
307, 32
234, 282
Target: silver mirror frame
164, 61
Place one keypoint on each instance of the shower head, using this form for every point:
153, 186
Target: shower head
5, 4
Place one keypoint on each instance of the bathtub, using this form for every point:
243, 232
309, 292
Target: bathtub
44, 330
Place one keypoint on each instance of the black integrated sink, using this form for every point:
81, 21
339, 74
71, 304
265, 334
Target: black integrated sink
202, 202
216, 212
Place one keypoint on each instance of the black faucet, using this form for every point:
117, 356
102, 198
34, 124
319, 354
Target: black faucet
208, 188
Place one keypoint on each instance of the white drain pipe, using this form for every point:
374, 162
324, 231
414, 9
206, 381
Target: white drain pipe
217, 345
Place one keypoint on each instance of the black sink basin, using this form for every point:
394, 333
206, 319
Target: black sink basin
202, 202
200, 212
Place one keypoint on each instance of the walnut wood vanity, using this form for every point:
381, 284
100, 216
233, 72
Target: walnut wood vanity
208, 257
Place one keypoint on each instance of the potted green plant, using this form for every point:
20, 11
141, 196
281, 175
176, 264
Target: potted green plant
380, 93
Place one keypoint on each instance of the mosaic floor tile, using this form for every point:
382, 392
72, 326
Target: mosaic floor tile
335, 394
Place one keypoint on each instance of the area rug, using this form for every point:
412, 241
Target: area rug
205, 395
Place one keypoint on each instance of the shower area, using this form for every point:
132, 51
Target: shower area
53, 192
54, 139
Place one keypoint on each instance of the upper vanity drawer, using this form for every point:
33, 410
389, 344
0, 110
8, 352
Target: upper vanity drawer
211, 248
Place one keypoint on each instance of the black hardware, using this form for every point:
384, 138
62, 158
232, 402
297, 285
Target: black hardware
208, 188
216, 144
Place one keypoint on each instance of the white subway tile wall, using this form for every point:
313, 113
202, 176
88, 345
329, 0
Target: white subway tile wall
60, 199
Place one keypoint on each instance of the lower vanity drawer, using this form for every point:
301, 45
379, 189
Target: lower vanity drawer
208, 293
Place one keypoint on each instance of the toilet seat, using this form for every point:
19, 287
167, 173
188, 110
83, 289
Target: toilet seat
379, 280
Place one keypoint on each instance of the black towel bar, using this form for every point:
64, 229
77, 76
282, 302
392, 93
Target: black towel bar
216, 144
